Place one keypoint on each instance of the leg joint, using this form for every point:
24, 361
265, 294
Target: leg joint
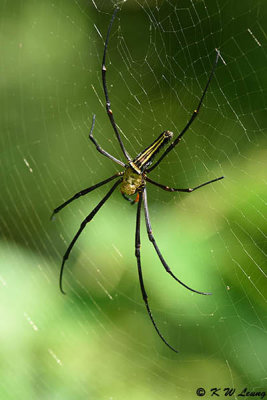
150, 236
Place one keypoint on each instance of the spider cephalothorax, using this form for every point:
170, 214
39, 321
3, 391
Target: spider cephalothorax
133, 180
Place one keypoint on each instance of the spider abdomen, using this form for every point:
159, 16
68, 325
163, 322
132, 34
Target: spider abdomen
131, 182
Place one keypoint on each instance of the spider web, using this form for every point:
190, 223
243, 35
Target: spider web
97, 342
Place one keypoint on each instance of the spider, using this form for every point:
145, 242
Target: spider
133, 180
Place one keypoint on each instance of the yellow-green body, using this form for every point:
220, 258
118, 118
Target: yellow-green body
134, 174
131, 182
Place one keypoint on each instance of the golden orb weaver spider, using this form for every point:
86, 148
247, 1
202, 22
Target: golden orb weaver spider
133, 181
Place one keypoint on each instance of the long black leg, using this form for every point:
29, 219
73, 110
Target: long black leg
85, 191
137, 254
188, 190
104, 70
194, 115
98, 148
83, 225
152, 239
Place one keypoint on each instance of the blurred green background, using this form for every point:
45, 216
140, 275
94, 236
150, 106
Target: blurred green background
98, 342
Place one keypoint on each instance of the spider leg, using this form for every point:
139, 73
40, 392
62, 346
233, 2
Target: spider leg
131, 200
189, 190
140, 275
104, 70
152, 239
98, 148
83, 225
128, 199
85, 191
194, 115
